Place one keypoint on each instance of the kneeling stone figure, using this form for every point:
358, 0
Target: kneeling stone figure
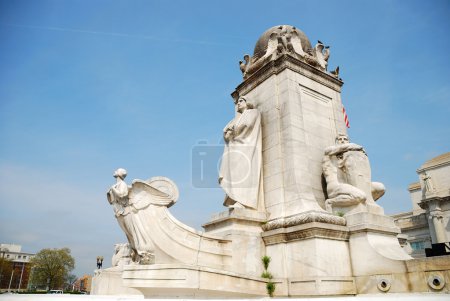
346, 169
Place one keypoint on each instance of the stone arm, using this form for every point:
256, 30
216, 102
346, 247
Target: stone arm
118, 208
120, 190
228, 134
342, 148
329, 170
115, 195
228, 131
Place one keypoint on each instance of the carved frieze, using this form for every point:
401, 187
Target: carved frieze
308, 217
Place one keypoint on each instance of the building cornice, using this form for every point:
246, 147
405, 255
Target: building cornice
278, 65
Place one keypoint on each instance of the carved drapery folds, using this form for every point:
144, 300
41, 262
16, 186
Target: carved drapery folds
428, 187
241, 166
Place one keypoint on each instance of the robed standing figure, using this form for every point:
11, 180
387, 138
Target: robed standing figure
240, 171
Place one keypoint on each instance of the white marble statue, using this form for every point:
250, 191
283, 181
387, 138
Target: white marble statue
122, 255
322, 54
118, 198
240, 170
118, 193
131, 208
427, 183
347, 172
284, 39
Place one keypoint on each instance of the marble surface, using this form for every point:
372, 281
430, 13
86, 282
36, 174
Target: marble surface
367, 297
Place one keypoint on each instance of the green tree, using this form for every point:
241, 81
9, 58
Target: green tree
70, 280
52, 267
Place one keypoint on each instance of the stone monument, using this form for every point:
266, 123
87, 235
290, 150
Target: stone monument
298, 195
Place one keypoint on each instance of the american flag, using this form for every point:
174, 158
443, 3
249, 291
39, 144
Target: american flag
345, 117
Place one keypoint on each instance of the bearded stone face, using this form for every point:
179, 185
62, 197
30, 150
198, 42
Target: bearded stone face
342, 139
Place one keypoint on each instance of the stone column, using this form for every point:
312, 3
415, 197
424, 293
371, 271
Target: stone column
436, 217
301, 114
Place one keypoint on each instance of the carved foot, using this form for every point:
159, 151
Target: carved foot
147, 258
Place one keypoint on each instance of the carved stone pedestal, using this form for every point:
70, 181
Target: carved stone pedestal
311, 252
109, 282
376, 252
235, 219
243, 228
190, 281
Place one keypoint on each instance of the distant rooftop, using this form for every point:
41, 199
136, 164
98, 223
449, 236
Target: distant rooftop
414, 186
436, 161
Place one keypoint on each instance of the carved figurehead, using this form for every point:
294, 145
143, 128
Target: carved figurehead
240, 171
132, 208
347, 173
118, 193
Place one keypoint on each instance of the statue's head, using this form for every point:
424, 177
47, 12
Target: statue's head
342, 139
120, 173
242, 105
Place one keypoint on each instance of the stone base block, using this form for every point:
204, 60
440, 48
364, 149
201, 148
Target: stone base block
313, 257
109, 282
183, 281
413, 282
374, 246
235, 220
365, 221
243, 228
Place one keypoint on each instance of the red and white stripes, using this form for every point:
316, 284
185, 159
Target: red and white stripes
345, 117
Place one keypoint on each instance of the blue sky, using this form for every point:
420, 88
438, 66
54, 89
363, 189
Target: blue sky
89, 86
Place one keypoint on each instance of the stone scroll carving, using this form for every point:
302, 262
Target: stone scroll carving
240, 170
347, 173
131, 208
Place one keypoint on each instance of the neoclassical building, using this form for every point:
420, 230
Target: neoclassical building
14, 267
429, 222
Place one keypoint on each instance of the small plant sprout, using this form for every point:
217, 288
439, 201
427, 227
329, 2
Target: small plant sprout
266, 260
267, 275
270, 286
